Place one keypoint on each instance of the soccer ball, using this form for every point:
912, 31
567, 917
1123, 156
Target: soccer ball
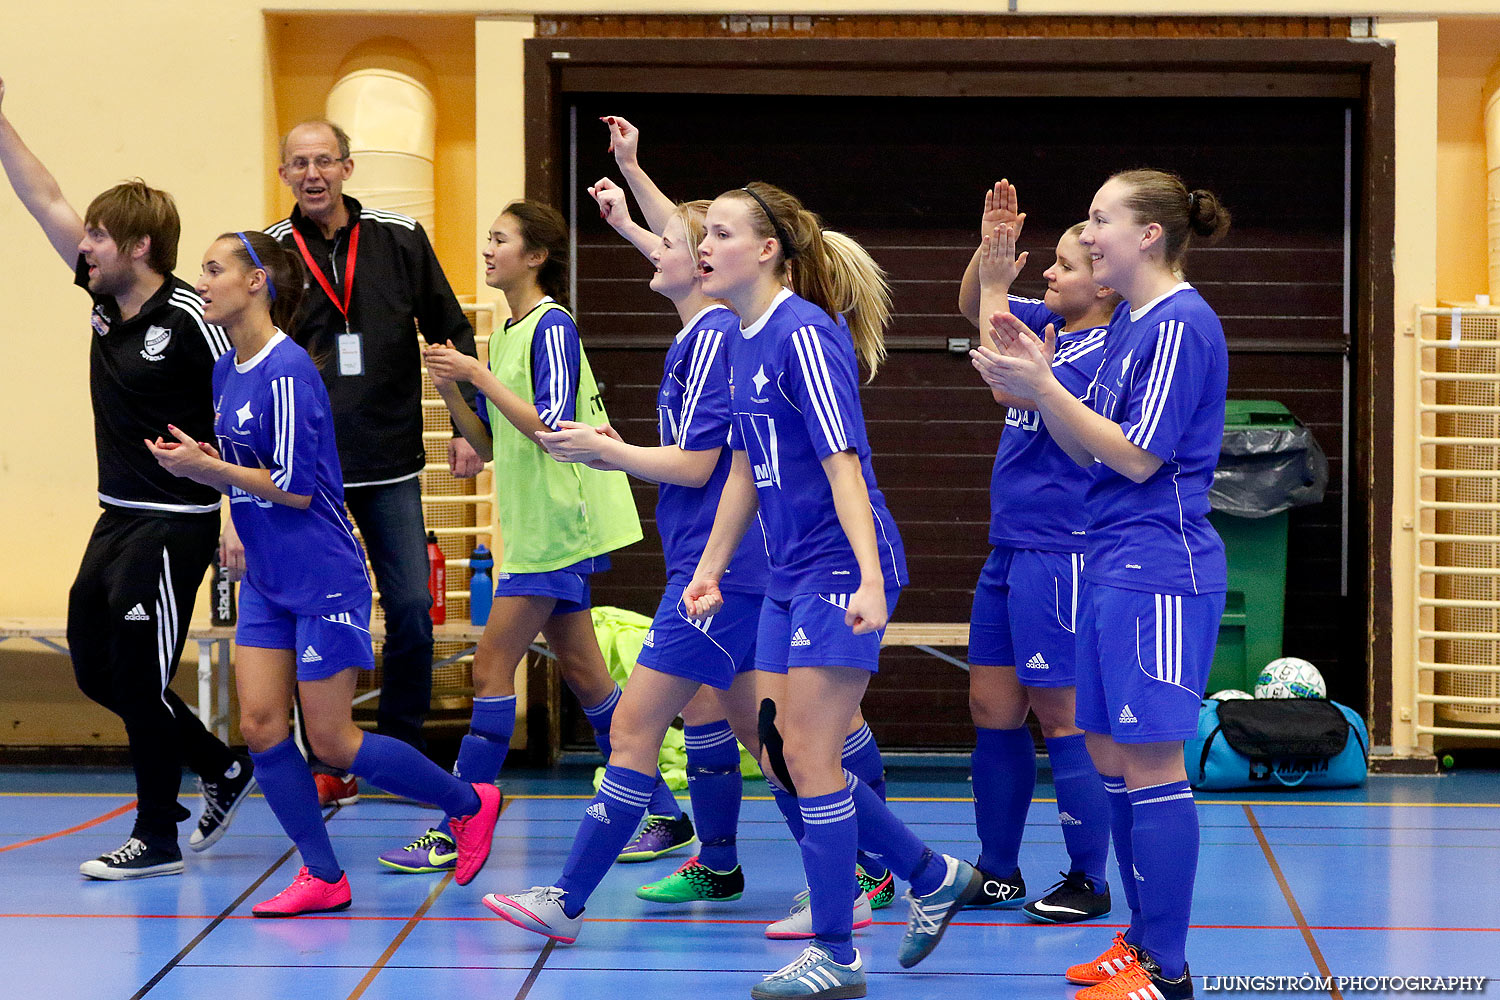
1231, 694
1290, 677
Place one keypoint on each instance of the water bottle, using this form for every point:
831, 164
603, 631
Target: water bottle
437, 579
481, 587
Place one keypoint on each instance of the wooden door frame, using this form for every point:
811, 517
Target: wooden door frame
1360, 71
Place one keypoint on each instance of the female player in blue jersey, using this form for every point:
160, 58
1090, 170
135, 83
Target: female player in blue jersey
1154, 570
802, 463
681, 655
304, 610
558, 524
1021, 632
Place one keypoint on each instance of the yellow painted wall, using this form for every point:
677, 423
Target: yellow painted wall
191, 96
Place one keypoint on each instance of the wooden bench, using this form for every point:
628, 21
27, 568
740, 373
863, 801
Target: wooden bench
213, 691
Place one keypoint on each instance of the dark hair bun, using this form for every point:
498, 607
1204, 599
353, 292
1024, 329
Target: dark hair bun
1207, 216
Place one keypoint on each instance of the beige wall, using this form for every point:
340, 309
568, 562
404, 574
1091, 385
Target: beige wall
182, 94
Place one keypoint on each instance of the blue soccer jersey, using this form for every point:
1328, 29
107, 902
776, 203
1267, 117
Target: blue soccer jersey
794, 382
692, 412
272, 412
1163, 380
1032, 474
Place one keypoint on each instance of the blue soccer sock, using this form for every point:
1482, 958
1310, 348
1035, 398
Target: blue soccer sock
787, 803
601, 717
1082, 807
399, 768
828, 847
862, 759
1121, 819
481, 753
882, 834
287, 783
1164, 840
608, 823
1004, 767
715, 788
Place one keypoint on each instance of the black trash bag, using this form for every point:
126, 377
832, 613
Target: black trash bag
1266, 470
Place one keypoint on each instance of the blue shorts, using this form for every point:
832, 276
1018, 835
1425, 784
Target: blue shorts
570, 585
808, 630
1143, 661
1024, 615
711, 651
323, 645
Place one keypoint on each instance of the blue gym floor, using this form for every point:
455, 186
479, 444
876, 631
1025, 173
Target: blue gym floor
1401, 878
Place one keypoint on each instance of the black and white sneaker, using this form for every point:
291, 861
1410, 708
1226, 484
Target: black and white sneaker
1073, 899
134, 859
996, 892
221, 799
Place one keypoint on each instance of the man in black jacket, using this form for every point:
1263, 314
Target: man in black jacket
374, 284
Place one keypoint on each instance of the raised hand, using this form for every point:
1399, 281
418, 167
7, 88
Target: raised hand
1001, 208
611, 200
999, 265
624, 139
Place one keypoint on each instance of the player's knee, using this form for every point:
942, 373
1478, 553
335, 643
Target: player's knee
334, 743
263, 729
992, 710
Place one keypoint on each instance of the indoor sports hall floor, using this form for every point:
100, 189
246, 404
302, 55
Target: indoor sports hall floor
1401, 878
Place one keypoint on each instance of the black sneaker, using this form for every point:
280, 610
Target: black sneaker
1069, 901
134, 859
998, 893
661, 835
221, 799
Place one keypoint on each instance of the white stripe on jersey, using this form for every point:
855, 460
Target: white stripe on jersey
284, 423
819, 387
1076, 349
393, 218
279, 230
557, 377
342, 519
700, 364
1159, 382
188, 302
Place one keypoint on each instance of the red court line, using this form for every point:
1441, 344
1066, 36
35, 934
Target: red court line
119, 811
720, 921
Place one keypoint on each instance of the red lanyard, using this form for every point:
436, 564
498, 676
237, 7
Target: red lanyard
317, 272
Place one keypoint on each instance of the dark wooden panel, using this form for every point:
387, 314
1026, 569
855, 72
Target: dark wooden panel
910, 193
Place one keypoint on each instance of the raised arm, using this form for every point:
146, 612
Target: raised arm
998, 266
625, 142
1001, 208
38, 191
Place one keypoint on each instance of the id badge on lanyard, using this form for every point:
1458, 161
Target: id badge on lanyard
349, 344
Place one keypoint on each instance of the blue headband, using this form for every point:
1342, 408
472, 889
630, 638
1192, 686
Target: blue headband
255, 258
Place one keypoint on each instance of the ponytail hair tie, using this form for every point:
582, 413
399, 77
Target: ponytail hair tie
255, 259
787, 249
1192, 201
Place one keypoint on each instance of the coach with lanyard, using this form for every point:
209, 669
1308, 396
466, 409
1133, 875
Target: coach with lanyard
374, 283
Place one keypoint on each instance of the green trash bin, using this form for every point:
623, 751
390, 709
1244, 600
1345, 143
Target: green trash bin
1255, 604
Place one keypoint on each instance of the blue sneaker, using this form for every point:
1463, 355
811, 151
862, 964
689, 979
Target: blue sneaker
434, 851
814, 975
931, 913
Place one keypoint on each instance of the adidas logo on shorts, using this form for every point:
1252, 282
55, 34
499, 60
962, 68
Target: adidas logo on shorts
598, 811
1127, 717
1037, 663
799, 638
310, 655
1066, 819
137, 614
650, 639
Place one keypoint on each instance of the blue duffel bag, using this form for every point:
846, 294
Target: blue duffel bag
1277, 743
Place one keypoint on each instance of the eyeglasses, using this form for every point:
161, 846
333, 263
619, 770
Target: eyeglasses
299, 164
